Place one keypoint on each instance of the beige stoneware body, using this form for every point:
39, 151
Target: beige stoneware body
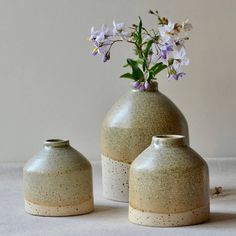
128, 129
58, 181
169, 184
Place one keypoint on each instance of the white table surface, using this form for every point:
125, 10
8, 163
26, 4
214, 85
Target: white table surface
110, 218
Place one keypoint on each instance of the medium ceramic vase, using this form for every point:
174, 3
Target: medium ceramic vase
58, 181
169, 184
128, 129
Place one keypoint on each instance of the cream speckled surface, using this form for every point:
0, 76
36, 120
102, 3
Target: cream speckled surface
110, 218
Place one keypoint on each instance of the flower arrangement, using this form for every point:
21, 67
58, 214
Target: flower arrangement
156, 49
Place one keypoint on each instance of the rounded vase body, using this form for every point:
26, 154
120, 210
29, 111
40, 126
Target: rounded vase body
128, 129
169, 185
58, 181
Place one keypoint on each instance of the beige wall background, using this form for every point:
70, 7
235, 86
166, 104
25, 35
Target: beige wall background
51, 86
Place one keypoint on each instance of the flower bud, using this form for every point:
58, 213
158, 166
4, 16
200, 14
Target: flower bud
136, 84
146, 85
95, 52
142, 88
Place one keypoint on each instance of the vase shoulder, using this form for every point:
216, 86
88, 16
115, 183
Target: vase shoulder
56, 159
167, 159
142, 109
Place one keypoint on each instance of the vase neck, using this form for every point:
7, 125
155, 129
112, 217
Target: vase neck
153, 87
56, 143
169, 140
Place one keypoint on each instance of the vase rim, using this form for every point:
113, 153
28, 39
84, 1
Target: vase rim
153, 87
169, 139
56, 142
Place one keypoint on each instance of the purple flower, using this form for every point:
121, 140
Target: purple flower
142, 88
136, 84
165, 49
102, 41
176, 76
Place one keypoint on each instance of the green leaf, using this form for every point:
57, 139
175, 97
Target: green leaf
150, 76
171, 61
147, 48
127, 76
140, 61
135, 36
131, 62
136, 71
140, 26
157, 68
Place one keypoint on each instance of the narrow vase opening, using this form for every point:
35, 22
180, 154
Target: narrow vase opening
56, 143
153, 87
169, 140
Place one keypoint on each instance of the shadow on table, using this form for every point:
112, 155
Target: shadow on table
105, 208
220, 220
222, 217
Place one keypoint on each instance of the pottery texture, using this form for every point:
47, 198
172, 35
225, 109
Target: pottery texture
168, 185
127, 130
58, 181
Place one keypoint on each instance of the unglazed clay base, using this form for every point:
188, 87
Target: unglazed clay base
195, 216
115, 176
35, 209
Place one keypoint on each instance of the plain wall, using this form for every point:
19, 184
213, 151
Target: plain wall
51, 86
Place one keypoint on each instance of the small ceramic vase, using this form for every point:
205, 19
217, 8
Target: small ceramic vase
169, 184
58, 181
128, 129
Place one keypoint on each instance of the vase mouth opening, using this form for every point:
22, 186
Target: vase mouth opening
152, 87
56, 142
169, 139
169, 136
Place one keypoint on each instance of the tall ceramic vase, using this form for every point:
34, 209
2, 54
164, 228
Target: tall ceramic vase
127, 130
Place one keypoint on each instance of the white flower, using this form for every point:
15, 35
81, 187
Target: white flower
180, 58
153, 56
166, 32
94, 33
99, 36
106, 30
119, 30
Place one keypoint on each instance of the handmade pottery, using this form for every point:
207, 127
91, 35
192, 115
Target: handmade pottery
169, 184
58, 181
128, 129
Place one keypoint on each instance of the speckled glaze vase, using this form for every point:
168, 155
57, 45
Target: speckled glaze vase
58, 181
128, 129
169, 184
